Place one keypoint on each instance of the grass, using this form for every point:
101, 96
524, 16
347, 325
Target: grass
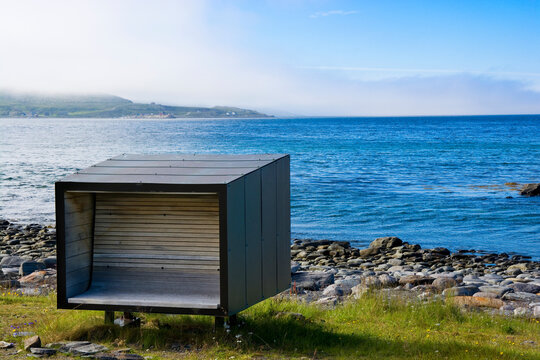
371, 328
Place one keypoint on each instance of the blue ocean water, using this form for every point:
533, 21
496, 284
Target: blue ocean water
436, 181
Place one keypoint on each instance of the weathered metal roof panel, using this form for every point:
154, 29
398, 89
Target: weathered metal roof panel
173, 168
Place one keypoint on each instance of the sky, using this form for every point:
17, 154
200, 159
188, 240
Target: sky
285, 57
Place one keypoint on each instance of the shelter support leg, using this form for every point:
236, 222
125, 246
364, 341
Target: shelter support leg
109, 317
233, 320
219, 323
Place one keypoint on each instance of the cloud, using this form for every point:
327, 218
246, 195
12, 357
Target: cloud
176, 54
332, 12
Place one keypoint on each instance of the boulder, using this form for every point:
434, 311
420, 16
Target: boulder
11, 261
521, 296
475, 301
444, 282
364, 253
525, 287
6, 345
387, 242
43, 351
530, 190
312, 280
86, 350
336, 290
32, 342
499, 291
467, 290
29, 266
388, 280
416, 280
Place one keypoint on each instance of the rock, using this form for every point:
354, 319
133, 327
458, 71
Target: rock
127, 356
364, 253
335, 290
416, 280
11, 261
354, 262
536, 311
486, 295
371, 281
50, 262
9, 284
523, 312
358, 291
89, 349
395, 262
476, 301
6, 345
43, 351
32, 342
29, 266
327, 301
525, 287
499, 291
312, 280
530, 190
71, 345
442, 283
387, 242
289, 315
387, 280
466, 290
521, 296
522, 267
38, 278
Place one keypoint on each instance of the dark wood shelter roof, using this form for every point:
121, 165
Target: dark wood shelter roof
173, 169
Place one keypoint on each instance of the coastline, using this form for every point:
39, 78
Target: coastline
330, 272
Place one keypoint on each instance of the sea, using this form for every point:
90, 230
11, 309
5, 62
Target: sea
435, 181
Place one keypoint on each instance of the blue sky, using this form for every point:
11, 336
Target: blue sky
298, 57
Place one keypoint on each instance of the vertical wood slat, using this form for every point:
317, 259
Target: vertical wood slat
236, 246
254, 279
283, 224
268, 214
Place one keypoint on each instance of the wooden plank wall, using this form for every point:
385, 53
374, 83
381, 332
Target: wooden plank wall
167, 233
258, 235
78, 214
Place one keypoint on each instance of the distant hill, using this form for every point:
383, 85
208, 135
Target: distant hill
106, 106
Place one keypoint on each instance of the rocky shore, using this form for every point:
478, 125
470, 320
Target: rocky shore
329, 272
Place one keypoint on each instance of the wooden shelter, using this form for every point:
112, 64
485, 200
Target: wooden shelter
188, 234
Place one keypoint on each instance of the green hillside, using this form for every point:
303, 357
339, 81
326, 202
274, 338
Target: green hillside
106, 106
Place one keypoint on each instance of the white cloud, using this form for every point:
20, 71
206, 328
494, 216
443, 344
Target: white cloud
332, 12
174, 54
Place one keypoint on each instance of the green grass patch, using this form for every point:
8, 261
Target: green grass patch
372, 328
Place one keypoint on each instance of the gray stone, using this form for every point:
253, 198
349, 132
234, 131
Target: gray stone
387, 280
387, 242
32, 342
521, 296
71, 345
29, 266
11, 261
536, 311
358, 291
43, 351
523, 312
371, 281
336, 290
6, 345
89, 349
312, 280
416, 280
486, 295
442, 283
50, 262
395, 262
526, 287
294, 267
461, 291
497, 290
